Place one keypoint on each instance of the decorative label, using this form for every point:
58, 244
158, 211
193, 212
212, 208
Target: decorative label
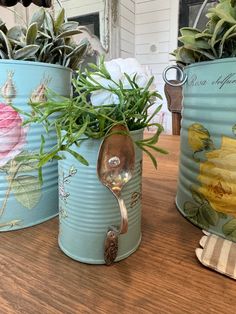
213, 197
220, 82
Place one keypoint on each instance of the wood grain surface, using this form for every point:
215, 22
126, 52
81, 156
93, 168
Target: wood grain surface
163, 276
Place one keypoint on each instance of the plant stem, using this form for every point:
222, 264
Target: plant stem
12, 177
10, 224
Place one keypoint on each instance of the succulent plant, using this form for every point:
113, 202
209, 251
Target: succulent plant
216, 41
46, 40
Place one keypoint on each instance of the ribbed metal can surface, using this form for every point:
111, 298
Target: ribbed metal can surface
87, 208
206, 192
24, 201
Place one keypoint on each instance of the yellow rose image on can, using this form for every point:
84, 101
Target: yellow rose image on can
199, 138
218, 177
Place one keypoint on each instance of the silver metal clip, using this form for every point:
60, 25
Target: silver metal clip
183, 76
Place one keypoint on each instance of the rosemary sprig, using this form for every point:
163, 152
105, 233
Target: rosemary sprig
77, 119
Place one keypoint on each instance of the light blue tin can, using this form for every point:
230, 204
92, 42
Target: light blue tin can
87, 208
206, 193
24, 201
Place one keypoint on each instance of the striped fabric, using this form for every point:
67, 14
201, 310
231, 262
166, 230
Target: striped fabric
218, 254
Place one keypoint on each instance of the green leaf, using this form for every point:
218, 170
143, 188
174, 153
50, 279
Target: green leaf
200, 219
197, 197
58, 131
50, 24
47, 36
59, 20
79, 50
224, 11
154, 139
47, 157
68, 26
25, 156
3, 55
222, 215
81, 131
233, 3
30, 166
185, 55
78, 157
26, 52
224, 38
43, 52
218, 29
206, 54
154, 113
27, 190
153, 159
3, 27
189, 31
234, 129
64, 48
209, 214
40, 175
233, 236
22, 112
28, 161
31, 34
157, 149
230, 227
190, 209
69, 33
42, 145
38, 17
203, 35
195, 43
7, 44
17, 33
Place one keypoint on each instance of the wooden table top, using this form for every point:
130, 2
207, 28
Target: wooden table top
163, 276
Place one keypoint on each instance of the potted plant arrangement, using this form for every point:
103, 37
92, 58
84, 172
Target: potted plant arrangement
207, 180
117, 92
32, 58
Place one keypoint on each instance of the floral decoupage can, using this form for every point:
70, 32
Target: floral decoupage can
87, 208
25, 200
206, 193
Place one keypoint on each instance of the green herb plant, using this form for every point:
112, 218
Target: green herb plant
76, 119
216, 41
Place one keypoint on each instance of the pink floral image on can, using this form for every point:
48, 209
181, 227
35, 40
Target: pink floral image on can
12, 134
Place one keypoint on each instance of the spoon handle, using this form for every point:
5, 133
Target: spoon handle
111, 245
124, 216
111, 241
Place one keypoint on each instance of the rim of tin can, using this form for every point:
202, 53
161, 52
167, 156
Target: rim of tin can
211, 62
133, 132
33, 63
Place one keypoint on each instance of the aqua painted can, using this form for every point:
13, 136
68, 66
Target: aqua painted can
24, 201
206, 193
87, 208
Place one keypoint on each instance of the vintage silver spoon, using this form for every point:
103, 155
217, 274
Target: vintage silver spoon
115, 167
